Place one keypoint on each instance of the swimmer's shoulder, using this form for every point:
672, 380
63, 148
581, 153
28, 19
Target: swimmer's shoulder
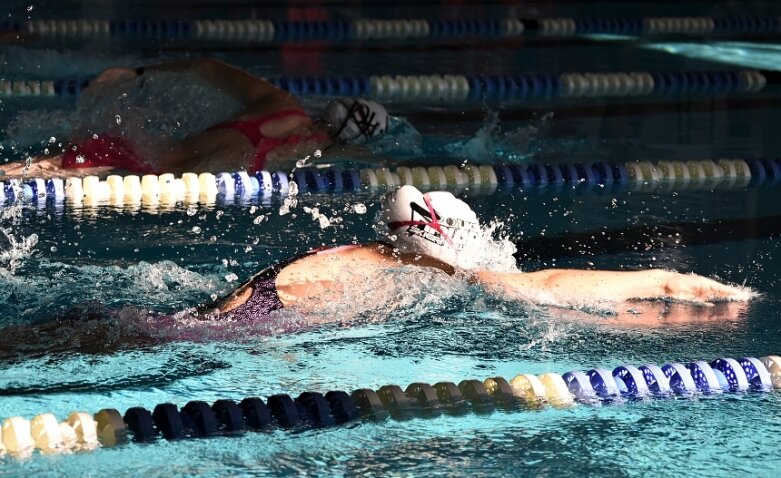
326, 264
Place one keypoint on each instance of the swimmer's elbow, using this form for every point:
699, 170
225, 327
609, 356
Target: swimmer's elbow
206, 66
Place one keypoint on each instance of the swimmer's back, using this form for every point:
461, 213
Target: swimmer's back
314, 274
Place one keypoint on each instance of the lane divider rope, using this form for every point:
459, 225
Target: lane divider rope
465, 87
207, 188
108, 427
267, 31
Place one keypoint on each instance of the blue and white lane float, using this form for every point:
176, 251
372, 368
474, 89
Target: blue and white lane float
82, 431
362, 29
207, 188
458, 88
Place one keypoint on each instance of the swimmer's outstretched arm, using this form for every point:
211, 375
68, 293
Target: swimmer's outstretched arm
572, 286
245, 87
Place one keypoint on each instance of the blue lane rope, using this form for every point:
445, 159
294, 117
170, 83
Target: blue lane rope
485, 179
311, 409
267, 31
472, 87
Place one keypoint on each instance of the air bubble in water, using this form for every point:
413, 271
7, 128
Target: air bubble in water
359, 208
292, 188
196, 229
258, 219
192, 210
231, 277
52, 140
80, 159
118, 119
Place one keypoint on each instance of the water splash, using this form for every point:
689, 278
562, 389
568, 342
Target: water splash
152, 111
494, 250
376, 295
490, 143
42, 290
13, 249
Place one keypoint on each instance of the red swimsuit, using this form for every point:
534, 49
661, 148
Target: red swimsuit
119, 153
250, 128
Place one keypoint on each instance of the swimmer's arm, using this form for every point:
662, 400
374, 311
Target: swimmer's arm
615, 286
245, 87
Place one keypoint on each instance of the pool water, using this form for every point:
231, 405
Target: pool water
156, 261
131, 262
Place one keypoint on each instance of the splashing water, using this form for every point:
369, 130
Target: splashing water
13, 249
152, 111
489, 143
42, 290
494, 250
374, 295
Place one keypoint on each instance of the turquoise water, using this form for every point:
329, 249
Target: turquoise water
156, 261
134, 261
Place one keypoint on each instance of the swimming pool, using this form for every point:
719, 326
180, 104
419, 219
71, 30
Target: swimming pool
169, 259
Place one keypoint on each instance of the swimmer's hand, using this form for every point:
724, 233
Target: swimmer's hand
701, 290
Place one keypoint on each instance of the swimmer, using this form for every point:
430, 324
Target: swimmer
434, 232
272, 131
439, 232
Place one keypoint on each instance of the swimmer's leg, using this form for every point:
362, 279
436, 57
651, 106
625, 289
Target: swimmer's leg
85, 331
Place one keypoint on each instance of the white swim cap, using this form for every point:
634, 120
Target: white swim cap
435, 224
356, 120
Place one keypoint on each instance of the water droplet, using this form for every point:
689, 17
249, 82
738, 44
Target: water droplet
54, 249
